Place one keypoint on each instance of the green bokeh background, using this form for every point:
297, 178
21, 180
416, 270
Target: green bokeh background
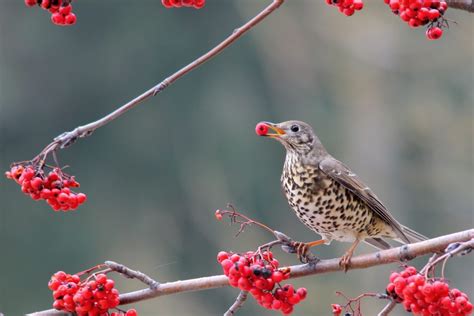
394, 106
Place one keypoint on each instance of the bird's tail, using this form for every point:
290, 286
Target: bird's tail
412, 235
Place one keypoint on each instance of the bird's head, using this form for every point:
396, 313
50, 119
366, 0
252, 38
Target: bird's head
297, 137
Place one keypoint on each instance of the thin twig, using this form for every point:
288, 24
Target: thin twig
357, 300
239, 301
410, 251
236, 218
120, 268
67, 138
387, 309
451, 250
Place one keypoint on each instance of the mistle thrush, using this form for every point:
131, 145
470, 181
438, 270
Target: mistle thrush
328, 197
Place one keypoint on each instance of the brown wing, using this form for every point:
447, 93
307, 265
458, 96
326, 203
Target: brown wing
343, 175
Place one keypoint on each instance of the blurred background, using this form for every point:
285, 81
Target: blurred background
394, 106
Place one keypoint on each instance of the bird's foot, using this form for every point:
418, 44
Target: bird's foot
302, 251
345, 261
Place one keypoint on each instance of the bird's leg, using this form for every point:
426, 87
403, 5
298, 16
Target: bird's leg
345, 260
302, 249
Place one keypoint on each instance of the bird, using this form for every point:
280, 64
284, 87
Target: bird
328, 197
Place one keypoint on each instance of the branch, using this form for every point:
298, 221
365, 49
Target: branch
466, 5
132, 274
239, 301
387, 309
405, 252
68, 138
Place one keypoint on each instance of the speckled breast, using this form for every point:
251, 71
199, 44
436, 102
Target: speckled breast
323, 204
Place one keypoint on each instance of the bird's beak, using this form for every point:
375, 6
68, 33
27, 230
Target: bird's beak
278, 131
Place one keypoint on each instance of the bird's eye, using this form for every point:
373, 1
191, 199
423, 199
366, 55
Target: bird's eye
295, 128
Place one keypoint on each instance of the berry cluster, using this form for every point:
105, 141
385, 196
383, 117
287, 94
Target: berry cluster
54, 188
259, 275
197, 4
421, 12
93, 296
61, 10
347, 7
422, 296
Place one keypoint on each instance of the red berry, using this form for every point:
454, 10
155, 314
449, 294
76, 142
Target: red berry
198, 4
177, 3
222, 255
276, 304
31, 3
226, 265
131, 312
244, 284
277, 276
336, 309
302, 292
65, 10
57, 18
434, 33
261, 129
167, 4
70, 18
218, 215
358, 5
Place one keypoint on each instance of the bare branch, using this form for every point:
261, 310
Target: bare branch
68, 138
129, 273
466, 5
405, 252
239, 301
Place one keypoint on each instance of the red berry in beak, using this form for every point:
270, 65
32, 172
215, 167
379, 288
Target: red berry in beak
261, 129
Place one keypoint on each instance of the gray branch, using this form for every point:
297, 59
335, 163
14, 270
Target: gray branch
239, 301
405, 252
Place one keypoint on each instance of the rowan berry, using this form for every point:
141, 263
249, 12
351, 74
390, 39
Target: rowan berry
434, 33
347, 7
422, 296
336, 309
131, 312
53, 188
261, 129
61, 10
258, 274
197, 4
421, 12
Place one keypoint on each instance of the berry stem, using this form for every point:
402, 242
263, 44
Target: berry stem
93, 275
236, 216
357, 300
99, 266
267, 247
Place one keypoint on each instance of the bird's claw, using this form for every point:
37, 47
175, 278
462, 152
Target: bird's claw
345, 261
302, 251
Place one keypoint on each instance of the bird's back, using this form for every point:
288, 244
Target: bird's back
326, 206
